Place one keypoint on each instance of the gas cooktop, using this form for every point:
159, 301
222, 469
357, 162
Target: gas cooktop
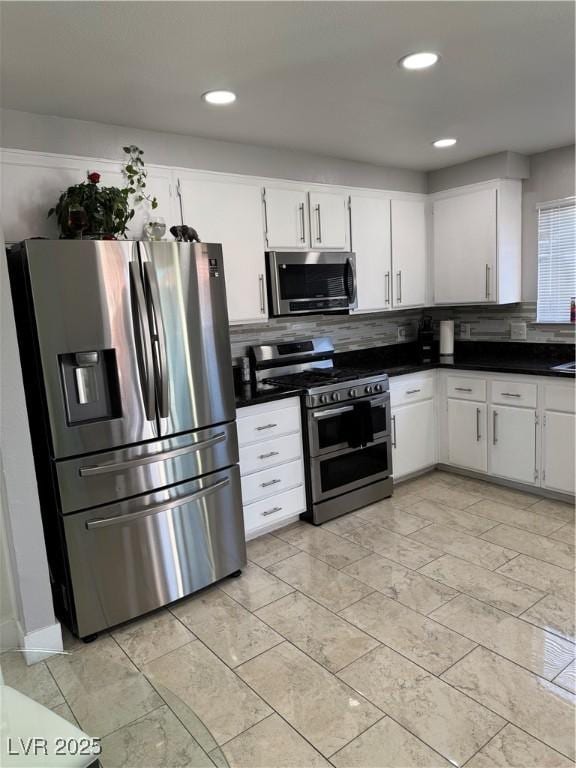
324, 385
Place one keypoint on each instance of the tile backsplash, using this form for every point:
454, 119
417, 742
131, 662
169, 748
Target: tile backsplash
494, 323
350, 332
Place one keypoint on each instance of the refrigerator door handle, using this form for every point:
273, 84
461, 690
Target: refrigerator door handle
155, 508
119, 466
144, 342
159, 337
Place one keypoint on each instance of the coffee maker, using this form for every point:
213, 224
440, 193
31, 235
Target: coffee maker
426, 339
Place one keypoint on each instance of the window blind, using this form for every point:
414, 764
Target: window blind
556, 260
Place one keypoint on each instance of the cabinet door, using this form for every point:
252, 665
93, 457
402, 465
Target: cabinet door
30, 187
558, 450
329, 221
409, 252
230, 213
513, 443
465, 248
413, 438
286, 218
370, 241
467, 444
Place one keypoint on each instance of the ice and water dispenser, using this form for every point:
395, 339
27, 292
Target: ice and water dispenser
91, 390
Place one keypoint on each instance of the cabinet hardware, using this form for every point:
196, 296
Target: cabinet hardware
463, 389
494, 423
261, 289
478, 435
510, 394
266, 426
270, 482
319, 218
487, 281
265, 208
302, 223
269, 455
412, 391
387, 279
272, 511
393, 431
399, 283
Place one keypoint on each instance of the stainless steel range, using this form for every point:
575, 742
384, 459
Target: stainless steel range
346, 416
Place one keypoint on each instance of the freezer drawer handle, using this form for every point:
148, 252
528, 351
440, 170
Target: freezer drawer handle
121, 519
103, 469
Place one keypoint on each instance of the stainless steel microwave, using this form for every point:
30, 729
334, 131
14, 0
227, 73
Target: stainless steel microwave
307, 282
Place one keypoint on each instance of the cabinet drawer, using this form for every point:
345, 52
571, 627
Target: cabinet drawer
255, 427
273, 509
417, 388
270, 453
465, 388
514, 393
260, 485
559, 398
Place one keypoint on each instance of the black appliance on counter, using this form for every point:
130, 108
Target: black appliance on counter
426, 340
346, 424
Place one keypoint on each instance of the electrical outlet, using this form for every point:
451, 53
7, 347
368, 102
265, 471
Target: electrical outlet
465, 330
518, 331
402, 332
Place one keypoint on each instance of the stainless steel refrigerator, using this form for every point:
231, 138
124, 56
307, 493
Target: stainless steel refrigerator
126, 360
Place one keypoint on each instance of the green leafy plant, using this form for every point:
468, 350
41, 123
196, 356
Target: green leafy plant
103, 210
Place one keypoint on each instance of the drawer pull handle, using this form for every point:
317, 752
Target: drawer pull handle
510, 394
272, 511
463, 389
412, 391
270, 482
269, 455
266, 426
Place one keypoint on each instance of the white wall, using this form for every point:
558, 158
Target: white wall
551, 178
44, 133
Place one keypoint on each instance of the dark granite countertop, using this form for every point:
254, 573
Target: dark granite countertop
246, 394
494, 357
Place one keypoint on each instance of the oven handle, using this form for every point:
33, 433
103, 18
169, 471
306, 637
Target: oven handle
331, 412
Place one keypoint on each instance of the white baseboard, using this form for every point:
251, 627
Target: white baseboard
42, 643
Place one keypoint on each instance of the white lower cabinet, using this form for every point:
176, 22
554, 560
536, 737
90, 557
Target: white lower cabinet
558, 438
513, 444
413, 423
271, 464
413, 438
466, 434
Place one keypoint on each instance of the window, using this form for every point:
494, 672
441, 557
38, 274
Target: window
556, 260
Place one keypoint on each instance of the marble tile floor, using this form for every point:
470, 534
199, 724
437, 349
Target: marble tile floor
432, 629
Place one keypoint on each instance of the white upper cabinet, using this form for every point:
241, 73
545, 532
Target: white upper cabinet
329, 221
408, 225
476, 244
229, 212
286, 218
370, 241
32, 183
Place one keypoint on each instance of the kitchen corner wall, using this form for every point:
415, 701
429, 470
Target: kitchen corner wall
348, 332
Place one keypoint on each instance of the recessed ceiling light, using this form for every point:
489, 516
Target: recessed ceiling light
421, 60
219, 97
440, 143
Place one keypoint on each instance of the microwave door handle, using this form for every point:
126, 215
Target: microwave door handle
159, 337
350, 280
143, 341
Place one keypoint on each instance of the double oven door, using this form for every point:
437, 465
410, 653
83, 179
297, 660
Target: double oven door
349, 446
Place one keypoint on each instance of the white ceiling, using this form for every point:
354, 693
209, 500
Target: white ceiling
316, 76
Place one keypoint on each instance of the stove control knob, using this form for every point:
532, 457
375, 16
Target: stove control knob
323, 398
368, 390
352, 392
378, 388
335, 396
